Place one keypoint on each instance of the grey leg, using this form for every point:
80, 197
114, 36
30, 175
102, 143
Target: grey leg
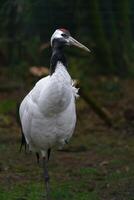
46, 177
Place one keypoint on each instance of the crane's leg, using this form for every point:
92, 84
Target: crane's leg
46, 177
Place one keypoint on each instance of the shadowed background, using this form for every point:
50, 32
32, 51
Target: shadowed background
105, 26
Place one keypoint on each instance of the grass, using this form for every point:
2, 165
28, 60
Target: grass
34, 192
7, 106
103, 170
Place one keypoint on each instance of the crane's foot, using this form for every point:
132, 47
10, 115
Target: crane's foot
46, 178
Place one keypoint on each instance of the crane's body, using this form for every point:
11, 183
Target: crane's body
47, 113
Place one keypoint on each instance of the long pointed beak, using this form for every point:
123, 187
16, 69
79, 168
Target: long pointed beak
74, 42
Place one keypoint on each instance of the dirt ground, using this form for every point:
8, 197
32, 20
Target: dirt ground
97, 164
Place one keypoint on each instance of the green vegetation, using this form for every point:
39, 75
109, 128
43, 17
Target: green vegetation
105, 26
7, 106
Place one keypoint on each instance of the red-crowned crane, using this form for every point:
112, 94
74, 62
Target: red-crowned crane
47, 113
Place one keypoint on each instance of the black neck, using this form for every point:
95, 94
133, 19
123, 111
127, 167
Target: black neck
57, 55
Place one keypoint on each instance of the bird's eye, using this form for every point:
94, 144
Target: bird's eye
64, 35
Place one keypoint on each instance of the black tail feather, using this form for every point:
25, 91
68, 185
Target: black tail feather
38, 157
48, 153
23, 141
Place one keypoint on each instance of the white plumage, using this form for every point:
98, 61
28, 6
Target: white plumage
47, 113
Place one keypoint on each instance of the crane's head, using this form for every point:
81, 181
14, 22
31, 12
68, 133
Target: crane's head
61, 37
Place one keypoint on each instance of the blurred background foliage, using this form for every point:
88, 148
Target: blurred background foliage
106, 27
